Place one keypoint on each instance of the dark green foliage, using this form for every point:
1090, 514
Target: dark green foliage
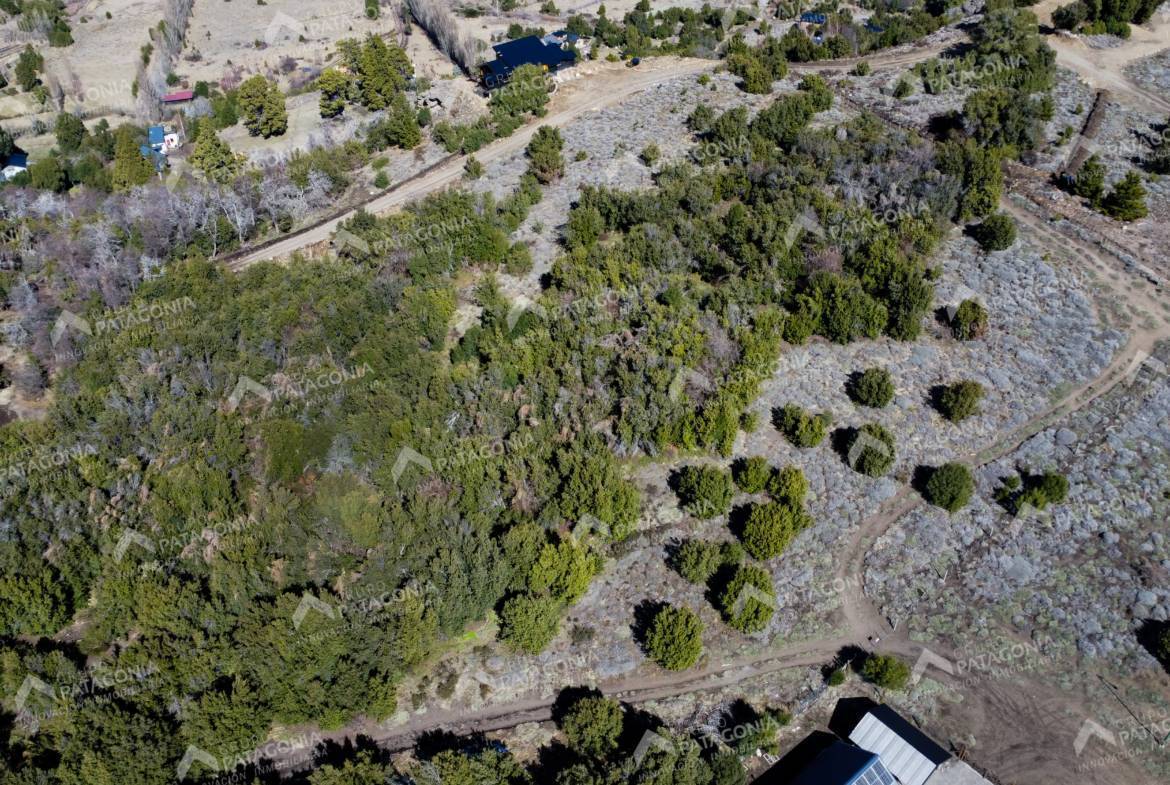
949, 486
996, 233
870, 450
593, 726
545, 161
903, 89
1090, 180
28, 65
788, 486
873, 387
752, 474
885, 671
262, 104
675, 638
970, 320
529, 623
1024, 492
771, 527
70, 132
960, 400
979, 171
800, 427
399, 128
748, 600
1127, 200
698, 560
705, 491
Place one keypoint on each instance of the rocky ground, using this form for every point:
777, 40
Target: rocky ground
1045, 337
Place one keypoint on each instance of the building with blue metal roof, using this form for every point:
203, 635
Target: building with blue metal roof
548, 53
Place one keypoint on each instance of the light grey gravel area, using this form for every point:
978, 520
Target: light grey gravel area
1085, 574
1152, 73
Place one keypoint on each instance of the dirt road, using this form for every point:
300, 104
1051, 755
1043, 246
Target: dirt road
589, 88
606, 84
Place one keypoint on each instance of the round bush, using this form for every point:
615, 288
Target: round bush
960, 400
873, 387
675, 639
752, 474
950, 486
996, 233
705, 491
970, 321
887, 672
770, 527
748, 600
871, 450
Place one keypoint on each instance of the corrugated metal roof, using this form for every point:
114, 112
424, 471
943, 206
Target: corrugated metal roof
905, 762
955, 772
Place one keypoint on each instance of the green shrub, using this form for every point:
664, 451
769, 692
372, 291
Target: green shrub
771, 527
903, 89
675, 638
1019, 492
886, 672
593, 726
970, 321
1127, 200
801, 428
698, 560
529, 623
960, 400
949, 486
752, 474
650, 154
705, 491
748, 600
788, 486
472, 168
996, 233
836, 678
381, 180
870, 450
861, 69
873, 387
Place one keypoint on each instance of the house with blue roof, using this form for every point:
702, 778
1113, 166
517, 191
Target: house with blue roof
14, 164
550, 53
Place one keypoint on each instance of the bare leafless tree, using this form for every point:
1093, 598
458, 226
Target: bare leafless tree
436, 18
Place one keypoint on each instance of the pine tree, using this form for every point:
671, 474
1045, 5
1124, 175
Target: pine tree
1127, 200
130, 166
263, 106
213, 156
1090, 180
384, 71
335, 91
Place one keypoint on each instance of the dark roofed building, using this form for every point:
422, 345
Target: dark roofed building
909, 753
842, 764
530, 50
